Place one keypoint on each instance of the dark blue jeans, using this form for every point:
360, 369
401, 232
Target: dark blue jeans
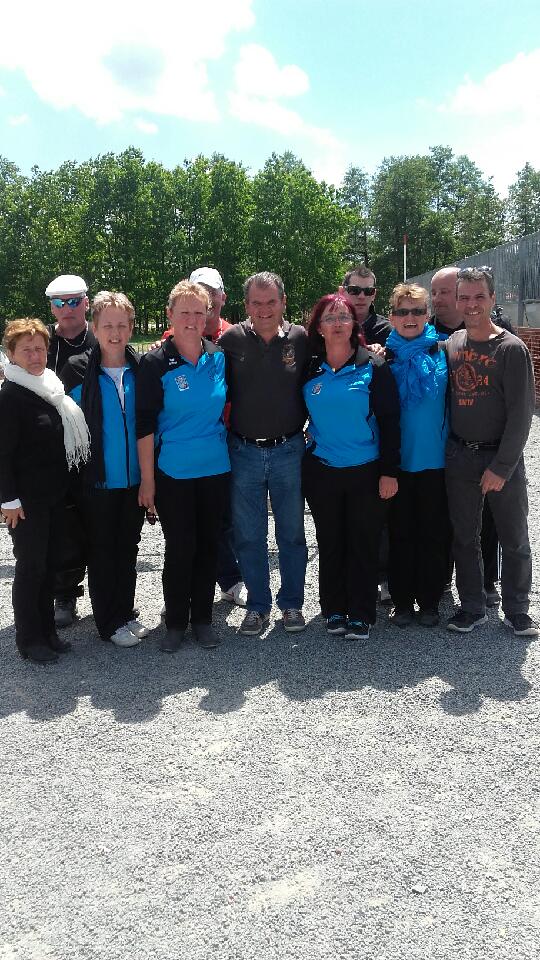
256, 473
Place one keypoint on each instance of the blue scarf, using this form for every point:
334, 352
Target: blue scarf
413, 367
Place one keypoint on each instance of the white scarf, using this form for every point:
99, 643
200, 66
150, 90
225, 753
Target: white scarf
50, 388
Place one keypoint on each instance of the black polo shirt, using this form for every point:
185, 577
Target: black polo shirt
264, 380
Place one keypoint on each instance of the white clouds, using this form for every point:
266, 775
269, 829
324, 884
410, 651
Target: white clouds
258, 75
125, 56
512, 89
496, 120
19, 120
259, 85
146, 126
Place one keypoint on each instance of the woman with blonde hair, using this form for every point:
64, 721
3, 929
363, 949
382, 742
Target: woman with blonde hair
42, 435
419, 531
181, 392
103, 383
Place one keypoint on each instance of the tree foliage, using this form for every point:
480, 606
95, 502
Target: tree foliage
126, 223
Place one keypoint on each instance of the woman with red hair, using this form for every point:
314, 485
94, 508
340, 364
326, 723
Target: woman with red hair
351, 462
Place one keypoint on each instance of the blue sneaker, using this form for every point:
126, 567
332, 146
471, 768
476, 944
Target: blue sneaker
357, 630
336, 624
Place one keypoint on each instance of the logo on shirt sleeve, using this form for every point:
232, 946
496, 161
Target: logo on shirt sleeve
181, 382
317, 387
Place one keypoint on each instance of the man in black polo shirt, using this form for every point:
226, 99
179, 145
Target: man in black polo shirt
69, 336
266, 356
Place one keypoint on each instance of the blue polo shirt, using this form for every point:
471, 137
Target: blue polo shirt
182, 405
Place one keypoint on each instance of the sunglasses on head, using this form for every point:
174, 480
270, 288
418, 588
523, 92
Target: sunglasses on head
66, 302
356, 291
414, 312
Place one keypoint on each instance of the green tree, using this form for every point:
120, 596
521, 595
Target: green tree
298, 229
523, 213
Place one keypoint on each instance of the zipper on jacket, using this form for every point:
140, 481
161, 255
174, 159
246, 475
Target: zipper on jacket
123, 412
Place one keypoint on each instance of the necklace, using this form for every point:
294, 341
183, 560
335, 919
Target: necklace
70, 343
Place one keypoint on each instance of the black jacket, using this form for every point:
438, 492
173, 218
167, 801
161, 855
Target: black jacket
33, 462
376, 329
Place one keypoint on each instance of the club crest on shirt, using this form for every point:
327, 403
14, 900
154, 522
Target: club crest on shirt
317, 387
181, 382
288, 355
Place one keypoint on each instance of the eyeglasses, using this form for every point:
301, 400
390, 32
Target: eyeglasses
69, 302
336, 319
414, 312
356, 291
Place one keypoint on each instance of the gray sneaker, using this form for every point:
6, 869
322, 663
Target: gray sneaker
254, 623
293, 621
205, 635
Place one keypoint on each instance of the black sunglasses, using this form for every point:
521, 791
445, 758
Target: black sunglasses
356, 291
414, 312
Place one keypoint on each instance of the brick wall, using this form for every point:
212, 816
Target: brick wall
532, 339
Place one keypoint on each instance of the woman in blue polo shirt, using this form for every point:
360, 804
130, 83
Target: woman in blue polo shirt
103, 384
419, 528
351, 462
181, 392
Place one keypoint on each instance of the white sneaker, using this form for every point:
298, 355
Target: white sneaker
123, 637
138, 629
236, 594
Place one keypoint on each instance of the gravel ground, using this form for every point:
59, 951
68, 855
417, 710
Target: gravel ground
279, 797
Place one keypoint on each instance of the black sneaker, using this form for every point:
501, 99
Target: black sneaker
428, 617
402, 616
336, 623
522, 624
465, 622
357, 630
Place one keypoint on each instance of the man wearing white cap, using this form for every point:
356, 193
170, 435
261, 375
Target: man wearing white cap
69, 335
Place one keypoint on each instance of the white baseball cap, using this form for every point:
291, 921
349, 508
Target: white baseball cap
208, 276
67, 285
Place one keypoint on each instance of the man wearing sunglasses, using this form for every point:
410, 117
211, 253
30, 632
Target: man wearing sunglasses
360, 286
69, 335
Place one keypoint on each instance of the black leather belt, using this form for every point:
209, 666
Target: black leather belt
271, 442
476, 444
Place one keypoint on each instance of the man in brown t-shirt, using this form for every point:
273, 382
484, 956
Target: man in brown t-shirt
492, 403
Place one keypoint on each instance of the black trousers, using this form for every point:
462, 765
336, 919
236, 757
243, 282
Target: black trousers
73, 548
191, 513
419, 531
348, 515
36, 548
464, 470
113, 522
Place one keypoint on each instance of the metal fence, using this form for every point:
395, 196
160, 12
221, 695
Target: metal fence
516, 271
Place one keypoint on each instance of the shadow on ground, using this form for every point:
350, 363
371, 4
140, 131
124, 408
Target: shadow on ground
132, 684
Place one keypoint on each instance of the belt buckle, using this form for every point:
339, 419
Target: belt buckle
471, 445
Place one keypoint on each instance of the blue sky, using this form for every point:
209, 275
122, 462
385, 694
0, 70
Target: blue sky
336, 82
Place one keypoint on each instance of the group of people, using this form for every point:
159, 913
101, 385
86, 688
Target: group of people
413, 424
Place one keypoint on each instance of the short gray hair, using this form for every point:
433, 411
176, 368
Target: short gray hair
264, 279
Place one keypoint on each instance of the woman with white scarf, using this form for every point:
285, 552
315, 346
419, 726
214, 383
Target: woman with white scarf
42, 435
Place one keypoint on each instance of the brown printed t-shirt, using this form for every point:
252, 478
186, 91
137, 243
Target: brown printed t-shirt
492, 394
